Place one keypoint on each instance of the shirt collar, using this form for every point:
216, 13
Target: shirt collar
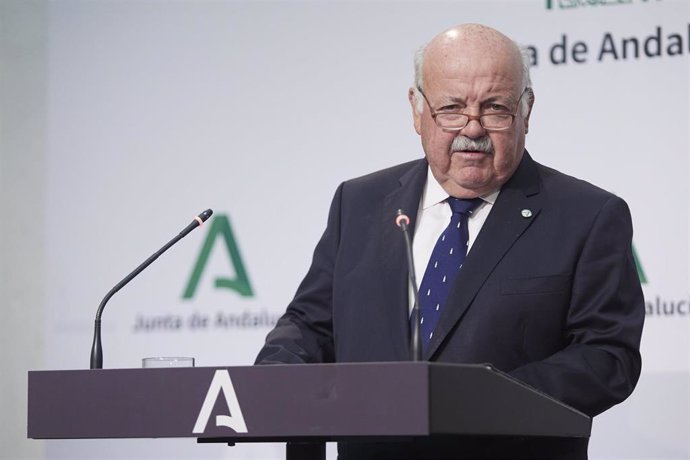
434, 193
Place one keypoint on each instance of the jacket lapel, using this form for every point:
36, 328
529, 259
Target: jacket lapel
394, 255
502, 228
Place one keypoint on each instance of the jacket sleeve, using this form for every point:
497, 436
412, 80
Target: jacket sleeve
304, 334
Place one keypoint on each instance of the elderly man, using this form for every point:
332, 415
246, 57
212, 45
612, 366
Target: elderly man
520, 265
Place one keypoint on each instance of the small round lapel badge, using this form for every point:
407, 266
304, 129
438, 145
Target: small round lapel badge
526, 213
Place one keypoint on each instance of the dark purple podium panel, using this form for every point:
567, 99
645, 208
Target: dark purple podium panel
292, 402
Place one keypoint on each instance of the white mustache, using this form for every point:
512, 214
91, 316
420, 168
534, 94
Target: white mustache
464, 143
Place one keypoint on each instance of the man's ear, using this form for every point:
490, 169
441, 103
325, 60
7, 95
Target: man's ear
530, 96
412, 96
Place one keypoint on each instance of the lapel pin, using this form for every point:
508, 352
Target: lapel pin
526, 213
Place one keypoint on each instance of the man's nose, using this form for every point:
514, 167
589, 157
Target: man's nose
473, 129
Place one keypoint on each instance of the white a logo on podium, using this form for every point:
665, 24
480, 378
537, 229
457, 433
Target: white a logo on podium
235, 421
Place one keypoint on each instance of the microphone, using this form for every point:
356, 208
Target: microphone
403, 221
96, 349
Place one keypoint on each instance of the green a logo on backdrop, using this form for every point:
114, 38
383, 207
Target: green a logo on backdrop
220, 227
638, 265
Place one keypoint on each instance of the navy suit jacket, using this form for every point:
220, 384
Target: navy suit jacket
552, 297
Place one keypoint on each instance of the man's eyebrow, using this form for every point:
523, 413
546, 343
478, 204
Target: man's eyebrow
499, 98
503, 98
451, 100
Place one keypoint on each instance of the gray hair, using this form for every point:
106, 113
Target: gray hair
419, 78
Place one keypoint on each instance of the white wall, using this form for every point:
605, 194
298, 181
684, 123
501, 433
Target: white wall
23, 82
122, 119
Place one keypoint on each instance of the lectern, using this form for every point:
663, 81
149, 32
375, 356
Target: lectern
368, 402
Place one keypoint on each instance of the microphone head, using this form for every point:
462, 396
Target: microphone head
401, 219
205, 215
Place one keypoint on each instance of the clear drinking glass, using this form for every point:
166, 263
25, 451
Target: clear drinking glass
175, 361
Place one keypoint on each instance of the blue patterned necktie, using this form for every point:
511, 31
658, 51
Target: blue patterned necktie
444, 265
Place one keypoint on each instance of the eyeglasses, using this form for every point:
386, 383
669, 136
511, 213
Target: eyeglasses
455, 121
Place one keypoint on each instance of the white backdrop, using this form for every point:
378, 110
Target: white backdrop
157, 110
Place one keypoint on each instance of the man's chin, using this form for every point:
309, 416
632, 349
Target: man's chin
468, 185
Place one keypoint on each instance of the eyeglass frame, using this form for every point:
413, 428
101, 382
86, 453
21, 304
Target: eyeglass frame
512, 116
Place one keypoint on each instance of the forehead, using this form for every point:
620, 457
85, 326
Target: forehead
485, 64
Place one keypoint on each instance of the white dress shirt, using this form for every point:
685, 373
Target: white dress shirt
433, 217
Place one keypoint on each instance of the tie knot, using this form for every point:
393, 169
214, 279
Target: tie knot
463, 206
